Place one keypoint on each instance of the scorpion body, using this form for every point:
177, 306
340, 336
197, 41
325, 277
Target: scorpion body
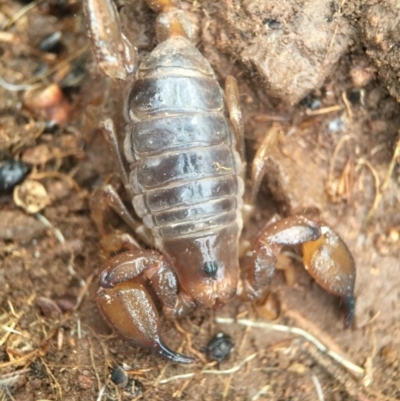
184, 147
185, 168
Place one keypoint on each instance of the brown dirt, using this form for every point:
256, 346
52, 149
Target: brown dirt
331, 162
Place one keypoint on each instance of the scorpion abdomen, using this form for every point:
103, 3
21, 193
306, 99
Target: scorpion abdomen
185, 171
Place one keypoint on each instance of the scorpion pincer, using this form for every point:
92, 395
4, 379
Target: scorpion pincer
184, 148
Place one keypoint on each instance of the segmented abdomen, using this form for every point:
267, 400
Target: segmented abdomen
185, 170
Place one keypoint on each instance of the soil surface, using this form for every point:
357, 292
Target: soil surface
319, 74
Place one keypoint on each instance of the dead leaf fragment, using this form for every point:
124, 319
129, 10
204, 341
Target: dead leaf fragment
31, 196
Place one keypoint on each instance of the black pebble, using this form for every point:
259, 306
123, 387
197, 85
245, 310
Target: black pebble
52, 43
12, 172
219, 347
119, 376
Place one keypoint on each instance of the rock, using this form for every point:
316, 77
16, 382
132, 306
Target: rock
291, 47
381, 32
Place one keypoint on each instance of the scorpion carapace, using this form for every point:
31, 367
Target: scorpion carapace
184, 147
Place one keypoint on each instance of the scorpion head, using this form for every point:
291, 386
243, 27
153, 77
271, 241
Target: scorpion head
207, 267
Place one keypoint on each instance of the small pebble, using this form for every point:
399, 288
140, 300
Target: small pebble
219, 347
336, 125
311, 102
12, 172
52, 43
119, 376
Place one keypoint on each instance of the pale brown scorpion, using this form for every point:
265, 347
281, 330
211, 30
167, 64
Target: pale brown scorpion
184, 147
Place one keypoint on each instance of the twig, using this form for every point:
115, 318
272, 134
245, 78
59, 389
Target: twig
188, 338
13, 87
94, 365
335, 153
19, 14
83, 290
347, 104
57, 67
358, 370
263, 390
9, 379
9, 394
325, 110
56, 383
101, 392
393, 162
318, 387
380, 189
56, 174
378, 195
211, 372
239, 352
336, 28
177, 377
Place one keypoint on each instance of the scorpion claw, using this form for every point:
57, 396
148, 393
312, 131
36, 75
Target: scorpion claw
350, 303
173, 356
129, 309
329, 261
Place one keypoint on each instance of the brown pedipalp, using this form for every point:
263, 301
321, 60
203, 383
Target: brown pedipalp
127, 305
325, 256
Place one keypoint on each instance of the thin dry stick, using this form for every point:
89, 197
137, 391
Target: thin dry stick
378, 195
211, 372
13, 319
188, 338
336, 28
9, 379
347, 104
101, 392
393, 162
380, 189
83, 290
57, 67
13, 87
338, 147
231, 370
318, 387
263, 390
330, 109
56, 383
228, 382
19, 14
355, 369
94, 364
56, 174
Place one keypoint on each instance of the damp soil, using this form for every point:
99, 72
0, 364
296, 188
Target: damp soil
336, 159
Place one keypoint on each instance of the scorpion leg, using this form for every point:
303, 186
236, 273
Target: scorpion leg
126, 304
115, 242
259, 163
110, 135
105, 197
325, 256
115, 55
235, 114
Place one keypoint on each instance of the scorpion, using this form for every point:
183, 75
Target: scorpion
184, 172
